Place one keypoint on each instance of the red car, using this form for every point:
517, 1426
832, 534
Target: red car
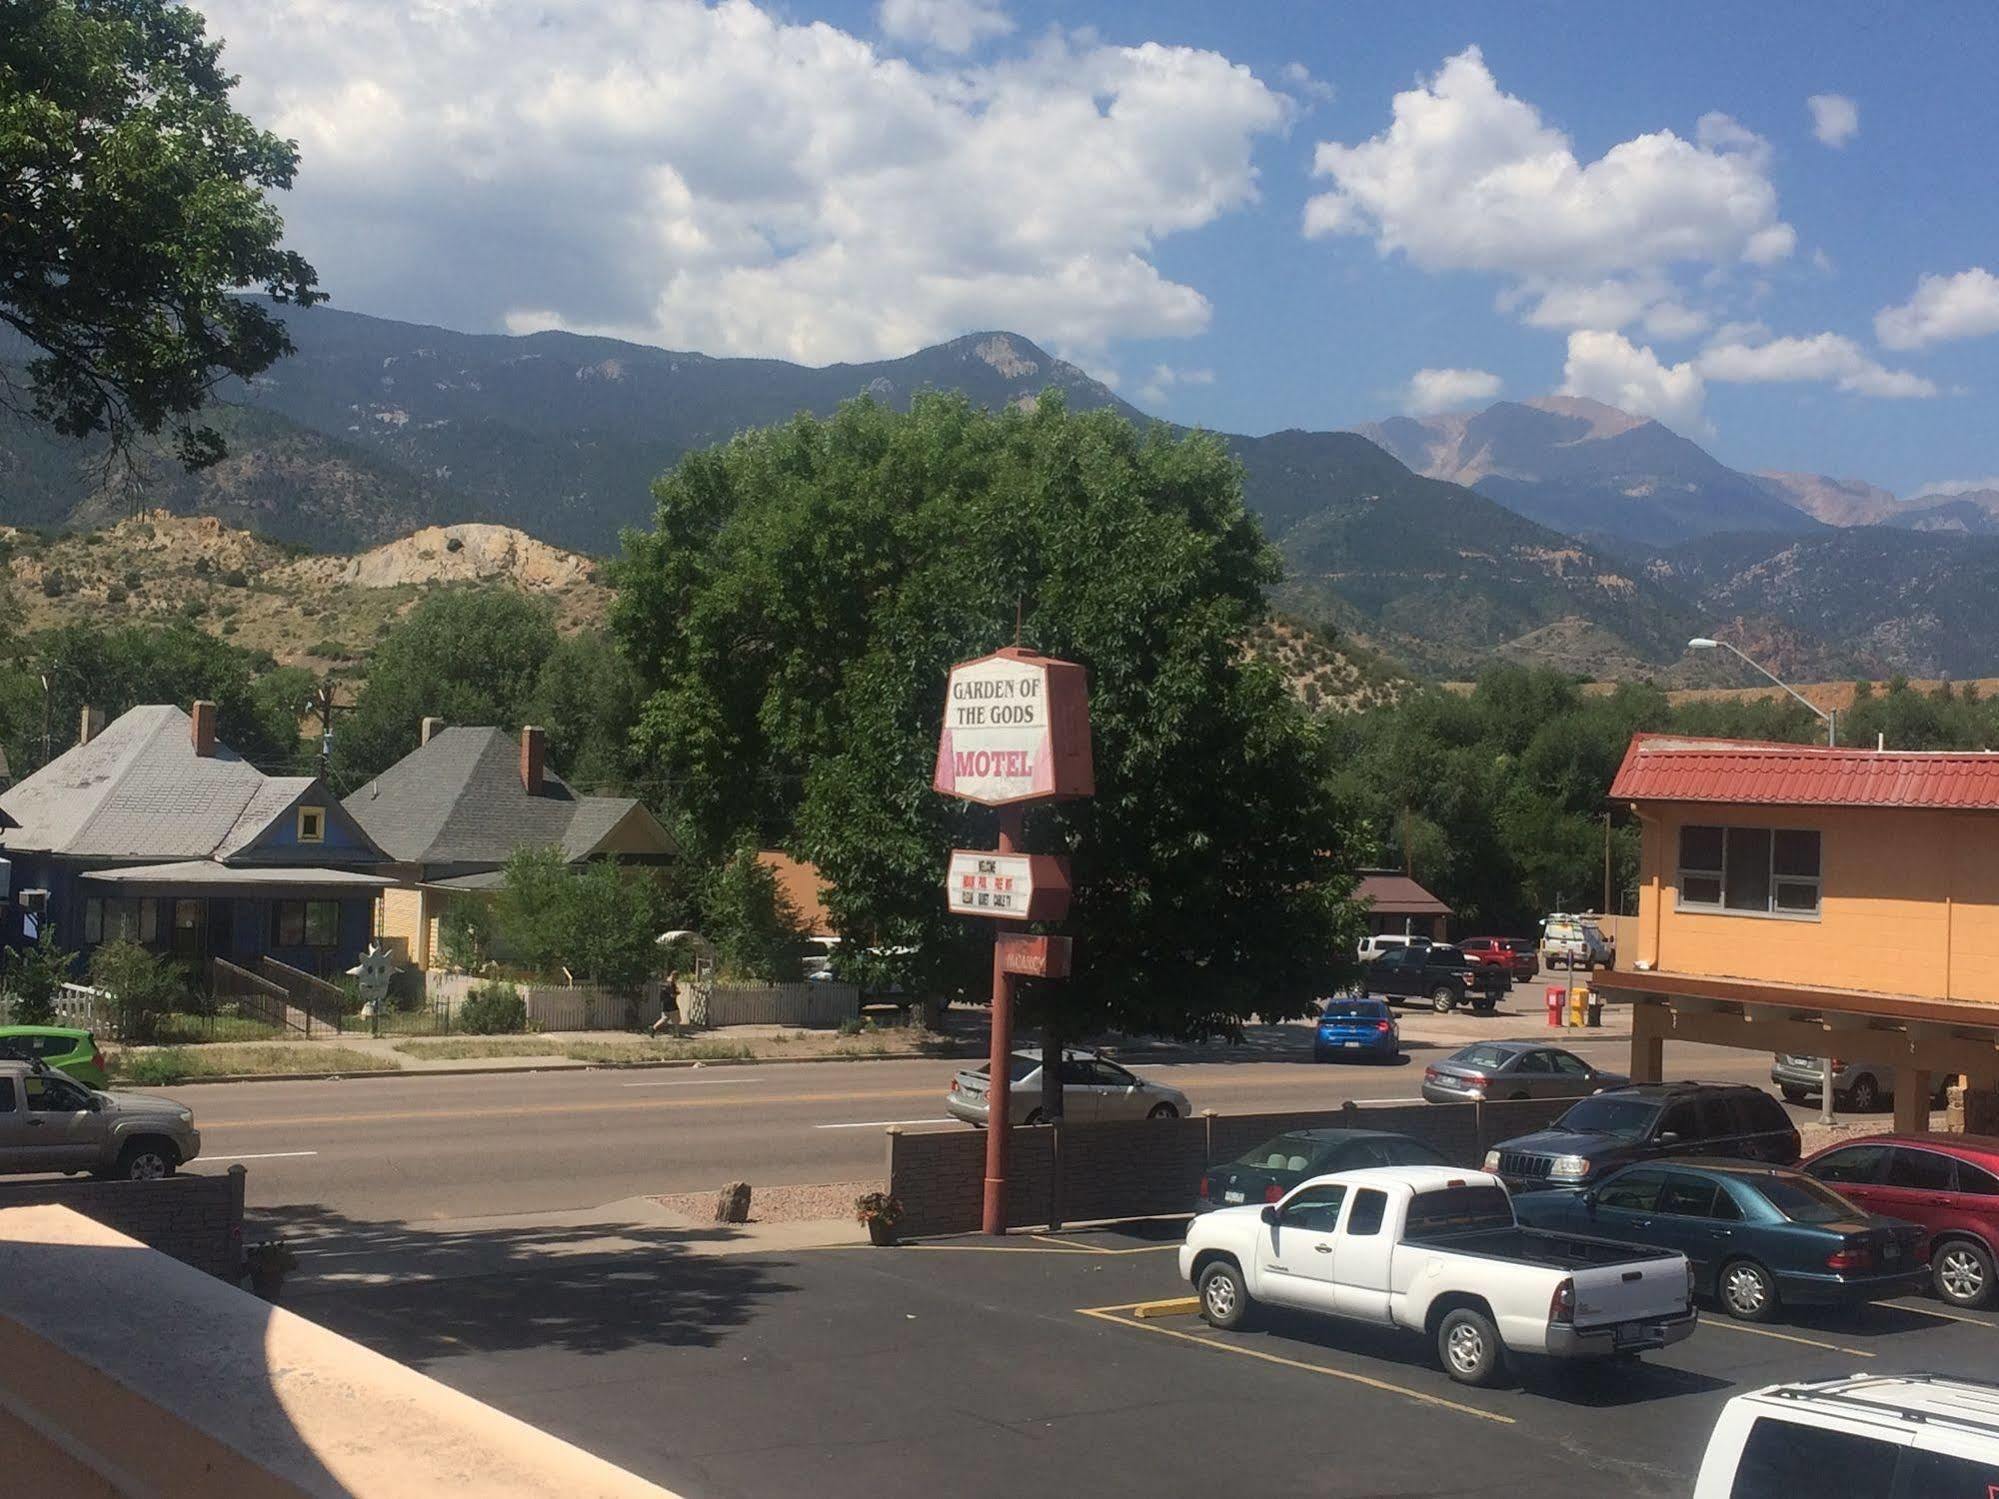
1515, 955
1947, 1183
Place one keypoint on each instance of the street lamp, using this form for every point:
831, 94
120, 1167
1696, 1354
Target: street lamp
1831, 717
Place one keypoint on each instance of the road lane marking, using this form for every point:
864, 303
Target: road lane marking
697, 1082
527, 1111
1787, 1337
268, 1155
882, 1123
1930, 1311
1112, 1315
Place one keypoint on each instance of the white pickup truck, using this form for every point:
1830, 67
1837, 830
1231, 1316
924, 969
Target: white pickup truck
1437, 1251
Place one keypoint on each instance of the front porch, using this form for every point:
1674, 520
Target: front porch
1922, 1039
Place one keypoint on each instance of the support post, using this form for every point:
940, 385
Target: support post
1649, 1026
1912, 1102
999, 1103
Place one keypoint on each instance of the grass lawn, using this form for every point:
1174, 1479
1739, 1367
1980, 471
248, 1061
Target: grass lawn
180, 1029
460, 1048
167, 1065
657, 1051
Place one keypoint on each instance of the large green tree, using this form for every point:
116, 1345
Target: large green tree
132, 208
806, 590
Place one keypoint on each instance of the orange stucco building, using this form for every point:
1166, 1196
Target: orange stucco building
1817, 901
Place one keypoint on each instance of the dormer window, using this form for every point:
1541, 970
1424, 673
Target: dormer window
312, 824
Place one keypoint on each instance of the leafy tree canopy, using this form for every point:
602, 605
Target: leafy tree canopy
132, 205
807, 589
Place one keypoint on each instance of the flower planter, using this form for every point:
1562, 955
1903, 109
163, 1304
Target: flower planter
881, 1232
267, 1285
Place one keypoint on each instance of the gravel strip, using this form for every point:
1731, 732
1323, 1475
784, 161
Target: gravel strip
810, 1204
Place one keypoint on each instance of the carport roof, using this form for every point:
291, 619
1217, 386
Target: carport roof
1675, 768
1397, 895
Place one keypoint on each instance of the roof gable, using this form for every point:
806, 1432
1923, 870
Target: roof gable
1677, 768
267, 830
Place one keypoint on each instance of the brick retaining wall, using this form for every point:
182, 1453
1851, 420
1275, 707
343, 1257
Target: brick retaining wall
196, 1219
1143, 1167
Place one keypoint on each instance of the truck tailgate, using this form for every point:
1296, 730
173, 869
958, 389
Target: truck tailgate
1633, 1291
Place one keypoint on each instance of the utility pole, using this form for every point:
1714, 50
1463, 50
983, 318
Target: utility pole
1606, 866
323, 705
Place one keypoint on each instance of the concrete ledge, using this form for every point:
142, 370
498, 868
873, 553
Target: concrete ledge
124, 1372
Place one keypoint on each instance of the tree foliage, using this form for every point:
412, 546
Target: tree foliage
35, 974
600, 924
805, 592
756, 931
132, 207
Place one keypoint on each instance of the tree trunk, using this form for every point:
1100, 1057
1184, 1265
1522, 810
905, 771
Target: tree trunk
1051, 1074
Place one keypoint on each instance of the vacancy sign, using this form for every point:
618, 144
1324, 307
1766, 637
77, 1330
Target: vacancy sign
1012, 887
1016, 729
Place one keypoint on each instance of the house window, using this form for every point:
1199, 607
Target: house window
312, 824
305, 923
112, 920
1750, 871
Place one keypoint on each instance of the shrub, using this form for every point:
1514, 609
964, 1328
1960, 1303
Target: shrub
235, 578
116, 594
52, 584
754, 926
327, 650
465, 934
143, 986
853, 1025
201, 567
493, 1010
35, 975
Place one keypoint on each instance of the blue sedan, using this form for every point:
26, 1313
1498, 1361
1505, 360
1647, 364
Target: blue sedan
1758, 1236
1356, 1029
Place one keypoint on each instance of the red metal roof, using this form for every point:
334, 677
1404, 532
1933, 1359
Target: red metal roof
1397, 895
1675, 768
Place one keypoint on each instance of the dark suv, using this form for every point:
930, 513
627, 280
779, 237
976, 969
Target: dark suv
1644, 1122
1442, 975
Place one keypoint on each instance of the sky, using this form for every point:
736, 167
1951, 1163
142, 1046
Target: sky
1773, 227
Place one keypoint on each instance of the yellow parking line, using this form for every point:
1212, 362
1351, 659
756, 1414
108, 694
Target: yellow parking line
1176, 1306
1071, 1243
1787, 1337
1110, 1315
1930, 1311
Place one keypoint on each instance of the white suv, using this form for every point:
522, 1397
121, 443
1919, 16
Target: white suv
1918, 1436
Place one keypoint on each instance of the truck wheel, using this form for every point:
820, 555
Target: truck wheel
1468, 1346
1962, 1271
1747, 1292
145, 1161
1225, 1299
1864, 1097
1443, 1000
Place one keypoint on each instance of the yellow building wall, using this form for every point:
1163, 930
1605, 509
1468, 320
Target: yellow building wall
399, 919
636, 833
1909, 904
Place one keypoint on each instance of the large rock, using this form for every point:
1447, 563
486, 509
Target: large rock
732, 1203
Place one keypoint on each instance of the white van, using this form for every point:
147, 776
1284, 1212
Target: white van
1915, 1436
1385, 942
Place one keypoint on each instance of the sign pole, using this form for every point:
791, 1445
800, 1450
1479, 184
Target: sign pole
999, 1084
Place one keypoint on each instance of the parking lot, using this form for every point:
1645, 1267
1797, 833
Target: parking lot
974, 1367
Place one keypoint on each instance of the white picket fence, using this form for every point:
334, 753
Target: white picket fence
821, 1003
587, 1007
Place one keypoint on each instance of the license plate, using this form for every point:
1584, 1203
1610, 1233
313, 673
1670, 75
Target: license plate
1231, 1197
1630, 1332
1893, 1251
1350, 1043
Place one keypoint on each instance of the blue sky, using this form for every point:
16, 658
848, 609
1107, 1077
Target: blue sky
1248, 216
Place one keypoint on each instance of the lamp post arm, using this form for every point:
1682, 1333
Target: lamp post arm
1816, 710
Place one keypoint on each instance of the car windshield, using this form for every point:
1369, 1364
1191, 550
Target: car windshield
1481, 1056
1607, 1114
1353, 1009
1803, 1200
1278, 1154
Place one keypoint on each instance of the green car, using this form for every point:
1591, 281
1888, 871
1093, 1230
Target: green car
60, 1047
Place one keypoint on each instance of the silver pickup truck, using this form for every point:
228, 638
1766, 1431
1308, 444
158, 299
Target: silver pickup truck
49, 1122
1437, 1251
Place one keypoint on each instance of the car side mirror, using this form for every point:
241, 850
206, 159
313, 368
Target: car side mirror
1589, 1198
1269, 1214
1669, 1137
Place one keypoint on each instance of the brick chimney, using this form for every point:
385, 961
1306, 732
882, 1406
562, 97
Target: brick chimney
201, 723
533, 752
430, 727
91, 726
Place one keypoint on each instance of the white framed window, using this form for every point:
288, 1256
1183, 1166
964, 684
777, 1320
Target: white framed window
312, 824
1750, 871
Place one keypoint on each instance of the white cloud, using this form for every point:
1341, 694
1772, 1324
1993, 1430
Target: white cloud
1608, 367
1297, 76
1944, 307
1671, 320
710, 176
1467, 177
1443, 390
1835, 119
1944, 488
1163, 379
1823, 357
947, 25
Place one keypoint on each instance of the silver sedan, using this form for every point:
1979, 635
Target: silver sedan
1513, 1069
1093, 1088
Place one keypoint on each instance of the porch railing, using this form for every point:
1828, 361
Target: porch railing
323, 1004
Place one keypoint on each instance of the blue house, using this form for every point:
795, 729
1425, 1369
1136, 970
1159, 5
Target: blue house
153, 830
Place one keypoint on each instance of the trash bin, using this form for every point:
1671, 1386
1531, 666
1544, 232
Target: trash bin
1595, 1010
1578, 1005
1556, 993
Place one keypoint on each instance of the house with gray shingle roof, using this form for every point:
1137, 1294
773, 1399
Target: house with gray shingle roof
155, 830
455, 809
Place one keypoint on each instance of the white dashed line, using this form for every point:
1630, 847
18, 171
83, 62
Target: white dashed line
269, 1155
881, 1123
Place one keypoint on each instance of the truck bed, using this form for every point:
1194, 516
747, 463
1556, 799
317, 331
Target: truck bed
1535, 1246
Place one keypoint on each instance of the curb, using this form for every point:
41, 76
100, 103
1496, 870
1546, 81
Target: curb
553, 1065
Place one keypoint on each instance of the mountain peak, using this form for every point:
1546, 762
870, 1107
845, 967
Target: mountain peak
1604, 421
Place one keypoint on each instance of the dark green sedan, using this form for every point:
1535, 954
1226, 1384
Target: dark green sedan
1277, 1165
1757, 1236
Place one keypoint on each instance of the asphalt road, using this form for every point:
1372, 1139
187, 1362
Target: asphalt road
980, 1369
415, 1148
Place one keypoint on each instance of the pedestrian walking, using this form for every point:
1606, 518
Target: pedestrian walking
669, 1005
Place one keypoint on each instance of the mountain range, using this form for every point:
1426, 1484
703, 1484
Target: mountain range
1559, 530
